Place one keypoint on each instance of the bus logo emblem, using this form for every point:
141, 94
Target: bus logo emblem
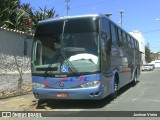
61, 85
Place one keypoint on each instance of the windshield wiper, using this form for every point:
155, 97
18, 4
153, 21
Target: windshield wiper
49, 68
72, 68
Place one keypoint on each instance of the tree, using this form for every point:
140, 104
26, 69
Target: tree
12, 14
42, 14
155, 56
8, 10
21, 16
148, 53
25, 22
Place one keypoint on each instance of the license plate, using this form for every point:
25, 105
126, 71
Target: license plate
62, 95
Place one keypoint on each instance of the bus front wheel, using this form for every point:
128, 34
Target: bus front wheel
134, 79
114, 94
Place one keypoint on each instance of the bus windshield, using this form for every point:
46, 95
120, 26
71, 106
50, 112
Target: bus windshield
66, 47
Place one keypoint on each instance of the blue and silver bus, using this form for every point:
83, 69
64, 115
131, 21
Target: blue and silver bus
82, 57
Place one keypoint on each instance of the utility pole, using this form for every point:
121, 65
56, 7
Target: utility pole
121, 16
67, 6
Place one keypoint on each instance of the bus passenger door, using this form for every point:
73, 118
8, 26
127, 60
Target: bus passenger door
105, 46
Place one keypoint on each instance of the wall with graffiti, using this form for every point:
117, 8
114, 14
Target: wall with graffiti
15, 75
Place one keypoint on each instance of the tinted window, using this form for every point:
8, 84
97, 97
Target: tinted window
124, 40
76, 25
120, 37
38, 54
114, 34
137, 45
129, 41
133, 43
106, 27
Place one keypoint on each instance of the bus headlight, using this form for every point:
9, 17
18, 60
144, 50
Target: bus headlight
90, 84
38, 85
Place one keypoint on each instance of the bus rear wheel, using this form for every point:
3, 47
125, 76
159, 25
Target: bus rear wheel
134, 79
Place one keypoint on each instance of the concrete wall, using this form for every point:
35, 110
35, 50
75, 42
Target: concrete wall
14, 66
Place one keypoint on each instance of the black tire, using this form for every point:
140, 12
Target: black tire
42, 101
115, 92
134, 79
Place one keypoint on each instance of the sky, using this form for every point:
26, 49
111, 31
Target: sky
142, 15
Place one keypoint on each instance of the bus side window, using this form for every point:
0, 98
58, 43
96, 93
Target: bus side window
114, 34
129, 42
135, 41
106, 33
120, 38
124, 40
105, 25
137, 45
133, 45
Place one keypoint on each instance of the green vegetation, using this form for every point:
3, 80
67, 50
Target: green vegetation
155, 56
148, 53
150, 56
23, 17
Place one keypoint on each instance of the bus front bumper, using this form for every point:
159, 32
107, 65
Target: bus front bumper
81, 93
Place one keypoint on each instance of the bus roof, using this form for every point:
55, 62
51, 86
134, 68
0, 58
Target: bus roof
72, 17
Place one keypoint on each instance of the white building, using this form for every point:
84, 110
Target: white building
139, 36
156, 63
